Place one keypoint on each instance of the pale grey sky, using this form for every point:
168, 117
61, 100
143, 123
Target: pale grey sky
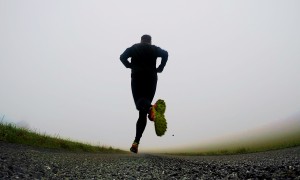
233, 66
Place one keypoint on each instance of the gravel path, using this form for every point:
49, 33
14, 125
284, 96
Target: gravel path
23, 162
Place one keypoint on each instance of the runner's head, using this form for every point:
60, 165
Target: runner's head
146, 39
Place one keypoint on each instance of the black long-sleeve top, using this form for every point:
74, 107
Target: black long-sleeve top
143, 58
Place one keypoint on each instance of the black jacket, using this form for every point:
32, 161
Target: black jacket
143, 58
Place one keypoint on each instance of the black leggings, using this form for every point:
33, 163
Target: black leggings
143, 90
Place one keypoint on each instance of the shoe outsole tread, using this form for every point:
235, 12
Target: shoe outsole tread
160, 122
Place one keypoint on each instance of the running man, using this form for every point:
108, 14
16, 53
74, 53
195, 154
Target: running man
143, 79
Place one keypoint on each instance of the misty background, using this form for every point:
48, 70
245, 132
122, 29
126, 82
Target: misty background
233, 66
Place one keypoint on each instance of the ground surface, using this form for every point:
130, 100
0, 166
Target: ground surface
23, 162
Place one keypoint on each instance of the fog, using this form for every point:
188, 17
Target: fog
233, 66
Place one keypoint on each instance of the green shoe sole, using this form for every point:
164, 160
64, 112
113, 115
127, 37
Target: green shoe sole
160, 106
160, 122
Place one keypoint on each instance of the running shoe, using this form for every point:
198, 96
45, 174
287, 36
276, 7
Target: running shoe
152, 113
156, 114
134, 147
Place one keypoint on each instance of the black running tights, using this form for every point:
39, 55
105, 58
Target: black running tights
143, 90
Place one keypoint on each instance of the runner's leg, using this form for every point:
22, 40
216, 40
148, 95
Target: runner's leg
143, 91
140, 126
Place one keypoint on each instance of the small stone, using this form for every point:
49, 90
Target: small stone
174, 174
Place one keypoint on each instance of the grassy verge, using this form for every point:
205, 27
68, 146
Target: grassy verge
12, 134
288, 140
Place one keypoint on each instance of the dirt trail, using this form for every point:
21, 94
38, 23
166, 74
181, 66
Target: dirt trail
23, 162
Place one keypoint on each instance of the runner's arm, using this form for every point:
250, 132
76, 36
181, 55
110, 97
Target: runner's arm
124, 58
164, 58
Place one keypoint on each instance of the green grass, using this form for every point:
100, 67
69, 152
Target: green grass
268, 143
12, 134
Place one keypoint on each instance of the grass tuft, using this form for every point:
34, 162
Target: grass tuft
274, 143
13, 134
